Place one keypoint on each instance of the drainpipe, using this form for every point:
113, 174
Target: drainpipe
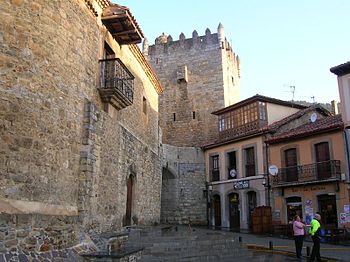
266, 171
347, 156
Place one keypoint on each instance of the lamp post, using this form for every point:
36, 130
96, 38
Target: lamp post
267, 185
209, 191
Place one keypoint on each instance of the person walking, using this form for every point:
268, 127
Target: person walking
315, 232
298, 232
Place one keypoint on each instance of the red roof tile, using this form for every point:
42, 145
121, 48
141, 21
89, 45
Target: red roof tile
320, 126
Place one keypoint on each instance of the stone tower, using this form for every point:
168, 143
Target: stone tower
199, 75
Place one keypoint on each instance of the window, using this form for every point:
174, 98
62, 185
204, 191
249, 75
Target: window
144, 105
193, 115
215, 171
231, 165
174, 117
249, 161
291, 164
262, 111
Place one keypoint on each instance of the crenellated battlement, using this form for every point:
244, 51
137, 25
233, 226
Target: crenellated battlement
165, 43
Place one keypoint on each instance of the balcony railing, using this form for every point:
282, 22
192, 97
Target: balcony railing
215, 175
117, 83
241, 130
327, 170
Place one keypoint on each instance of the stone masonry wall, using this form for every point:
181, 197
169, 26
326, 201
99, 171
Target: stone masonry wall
183, 198
64, 161
196, 74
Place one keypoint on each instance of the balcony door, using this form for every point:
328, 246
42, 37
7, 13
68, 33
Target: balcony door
291, 163
322, 159
215, 171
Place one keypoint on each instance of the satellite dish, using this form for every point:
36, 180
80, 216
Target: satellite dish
273, 170
313, 117
233, 173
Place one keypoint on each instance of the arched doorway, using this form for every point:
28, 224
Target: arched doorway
233, 199
129, 194
217, 210
251, 196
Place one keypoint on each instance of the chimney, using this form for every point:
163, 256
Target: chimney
334, 106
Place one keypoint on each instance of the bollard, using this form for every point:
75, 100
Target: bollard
307, 251
270, 245
240, 239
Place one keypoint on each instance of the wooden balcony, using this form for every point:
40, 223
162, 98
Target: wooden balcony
312, 173
121, 24
240, 131
117, 83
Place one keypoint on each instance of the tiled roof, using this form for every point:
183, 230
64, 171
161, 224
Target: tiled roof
296, 115
342, 69
261, 99
320, 126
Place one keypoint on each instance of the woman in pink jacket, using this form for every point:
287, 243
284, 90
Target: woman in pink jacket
298, 230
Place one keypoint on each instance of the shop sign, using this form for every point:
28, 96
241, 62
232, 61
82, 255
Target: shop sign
344, 218
241, 184
307, 189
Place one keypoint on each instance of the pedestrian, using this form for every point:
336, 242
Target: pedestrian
315, 232
298, 232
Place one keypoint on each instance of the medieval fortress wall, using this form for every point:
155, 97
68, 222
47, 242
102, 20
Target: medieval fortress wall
64, 160
199, 75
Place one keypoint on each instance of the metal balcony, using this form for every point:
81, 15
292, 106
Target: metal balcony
312, 173
117, 83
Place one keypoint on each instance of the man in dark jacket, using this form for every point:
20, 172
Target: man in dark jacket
315, 232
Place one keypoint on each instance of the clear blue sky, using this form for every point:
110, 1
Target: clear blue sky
280, 43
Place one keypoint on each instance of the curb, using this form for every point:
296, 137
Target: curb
261, 248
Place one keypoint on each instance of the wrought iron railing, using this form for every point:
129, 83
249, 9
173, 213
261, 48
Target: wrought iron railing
215, 175
115, 76
308, 173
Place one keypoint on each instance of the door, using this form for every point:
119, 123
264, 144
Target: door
251, 195
291, 163
322, 159
129, 201
294, 207
328, 209
234, 211
217, 210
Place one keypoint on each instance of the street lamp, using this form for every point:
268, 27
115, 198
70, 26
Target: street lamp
209, 189
266, 183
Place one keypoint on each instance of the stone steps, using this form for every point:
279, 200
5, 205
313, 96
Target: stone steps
185, 245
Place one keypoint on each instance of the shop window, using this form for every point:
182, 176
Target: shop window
294, 207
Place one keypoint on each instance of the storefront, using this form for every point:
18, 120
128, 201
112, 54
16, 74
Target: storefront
328, 199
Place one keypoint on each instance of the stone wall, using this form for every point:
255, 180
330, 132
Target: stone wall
199, 75
183, 185
63, 158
